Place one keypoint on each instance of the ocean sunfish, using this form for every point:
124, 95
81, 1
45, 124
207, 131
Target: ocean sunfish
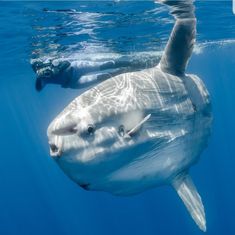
139, 130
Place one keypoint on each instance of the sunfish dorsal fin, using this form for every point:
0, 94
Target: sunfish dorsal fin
187, 191
181, 41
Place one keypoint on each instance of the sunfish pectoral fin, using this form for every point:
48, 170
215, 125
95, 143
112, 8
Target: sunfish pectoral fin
135, 129
187, 191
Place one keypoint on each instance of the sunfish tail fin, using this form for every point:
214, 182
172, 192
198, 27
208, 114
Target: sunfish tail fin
187, 191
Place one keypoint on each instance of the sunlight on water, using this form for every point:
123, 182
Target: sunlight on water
113, 36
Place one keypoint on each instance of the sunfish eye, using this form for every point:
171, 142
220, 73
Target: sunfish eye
90, 129
121, 130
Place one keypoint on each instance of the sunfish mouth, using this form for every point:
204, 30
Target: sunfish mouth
55, 151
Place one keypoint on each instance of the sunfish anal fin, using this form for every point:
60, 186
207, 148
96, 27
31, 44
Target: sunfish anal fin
187, 191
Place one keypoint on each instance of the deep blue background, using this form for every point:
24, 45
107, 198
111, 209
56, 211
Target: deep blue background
37, 198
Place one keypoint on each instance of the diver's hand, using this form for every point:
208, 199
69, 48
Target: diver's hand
50, 72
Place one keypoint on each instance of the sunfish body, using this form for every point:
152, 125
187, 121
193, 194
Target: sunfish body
139, 130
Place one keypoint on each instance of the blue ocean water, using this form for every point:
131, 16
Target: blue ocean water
35, 196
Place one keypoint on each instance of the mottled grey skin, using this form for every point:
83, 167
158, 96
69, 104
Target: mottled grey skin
169, 142
90, 139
